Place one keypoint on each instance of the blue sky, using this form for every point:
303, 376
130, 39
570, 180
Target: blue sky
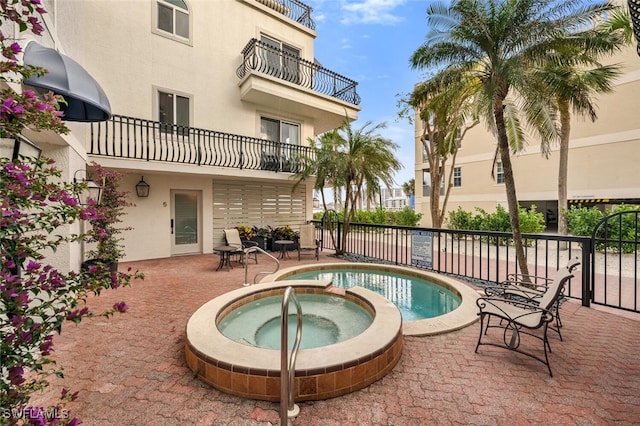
370, 41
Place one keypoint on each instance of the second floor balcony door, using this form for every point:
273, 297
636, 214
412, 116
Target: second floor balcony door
186, 222
283, 61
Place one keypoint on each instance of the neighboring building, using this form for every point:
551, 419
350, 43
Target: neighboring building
603, 159
212, 102
394, 199
388, 198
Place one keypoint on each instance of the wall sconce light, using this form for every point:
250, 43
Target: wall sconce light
21, 146
142, 188
93, 190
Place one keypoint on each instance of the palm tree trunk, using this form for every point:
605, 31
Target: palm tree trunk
434, 200
565, 131
510, 186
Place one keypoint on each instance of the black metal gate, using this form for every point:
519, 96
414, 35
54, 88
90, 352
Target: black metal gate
615, 262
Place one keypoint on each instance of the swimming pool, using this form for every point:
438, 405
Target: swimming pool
327, 371
326, 319
461, 309
415, 297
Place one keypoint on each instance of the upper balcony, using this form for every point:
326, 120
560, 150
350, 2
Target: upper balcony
293, 9
133, 138
270, 75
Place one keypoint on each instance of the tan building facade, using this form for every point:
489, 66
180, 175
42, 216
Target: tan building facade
603, 159
212, 100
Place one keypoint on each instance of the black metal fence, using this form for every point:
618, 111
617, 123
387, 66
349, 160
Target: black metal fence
294, 9
137, 138
270, 60
605, 277
616, 244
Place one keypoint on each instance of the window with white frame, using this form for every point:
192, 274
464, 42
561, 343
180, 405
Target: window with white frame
457, 177
173, 19
173, 110
426, 183
499, 173
280, 131
280, 156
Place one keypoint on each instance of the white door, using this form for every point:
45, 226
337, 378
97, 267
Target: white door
186, 222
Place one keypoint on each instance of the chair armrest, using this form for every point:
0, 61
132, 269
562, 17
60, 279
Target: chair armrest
492, 300
535, 279
525, 286
512, 310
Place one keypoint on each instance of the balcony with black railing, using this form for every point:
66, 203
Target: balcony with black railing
140, 139
266, 59
293, 9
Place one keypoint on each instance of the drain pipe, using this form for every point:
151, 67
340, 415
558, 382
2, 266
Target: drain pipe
288, 407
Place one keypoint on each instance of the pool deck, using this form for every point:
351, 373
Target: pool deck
131, 369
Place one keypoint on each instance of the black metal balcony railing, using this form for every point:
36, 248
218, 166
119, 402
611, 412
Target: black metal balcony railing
140, 139
267, 59
294, 9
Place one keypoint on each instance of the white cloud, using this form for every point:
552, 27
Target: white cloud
371, 12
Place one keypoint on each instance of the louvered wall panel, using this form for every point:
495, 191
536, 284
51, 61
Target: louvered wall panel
256, 204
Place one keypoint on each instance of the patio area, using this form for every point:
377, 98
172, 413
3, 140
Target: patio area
131, 370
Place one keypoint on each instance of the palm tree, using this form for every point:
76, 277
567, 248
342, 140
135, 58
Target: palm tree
321, 167
446, 109
352, 161
409, 187
573, 87
495, 45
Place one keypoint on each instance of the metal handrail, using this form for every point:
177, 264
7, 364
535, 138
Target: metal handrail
141, 139
246, 265
288, 408
270, 60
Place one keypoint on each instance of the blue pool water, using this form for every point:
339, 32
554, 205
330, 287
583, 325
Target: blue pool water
326, 320
416, 298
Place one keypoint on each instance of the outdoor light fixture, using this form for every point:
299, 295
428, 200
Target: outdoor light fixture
21, 146
142, 188
93, 190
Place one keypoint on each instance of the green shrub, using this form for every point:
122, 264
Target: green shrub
380, 216
531, 221
583, 220
406, 217
460, 219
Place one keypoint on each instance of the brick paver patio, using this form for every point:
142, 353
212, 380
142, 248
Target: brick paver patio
130, 369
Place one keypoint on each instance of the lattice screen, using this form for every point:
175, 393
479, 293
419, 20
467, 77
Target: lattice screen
256, 204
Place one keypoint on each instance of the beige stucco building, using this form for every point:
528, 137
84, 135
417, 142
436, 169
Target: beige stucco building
603, 159
212, 102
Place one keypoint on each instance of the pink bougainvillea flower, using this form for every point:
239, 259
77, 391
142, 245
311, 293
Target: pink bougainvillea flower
121, 307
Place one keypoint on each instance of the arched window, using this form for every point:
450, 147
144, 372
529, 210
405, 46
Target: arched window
173, 18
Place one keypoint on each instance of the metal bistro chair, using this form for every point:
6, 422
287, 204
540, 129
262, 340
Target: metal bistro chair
531, 291
307, 240
517, 318
243, 247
